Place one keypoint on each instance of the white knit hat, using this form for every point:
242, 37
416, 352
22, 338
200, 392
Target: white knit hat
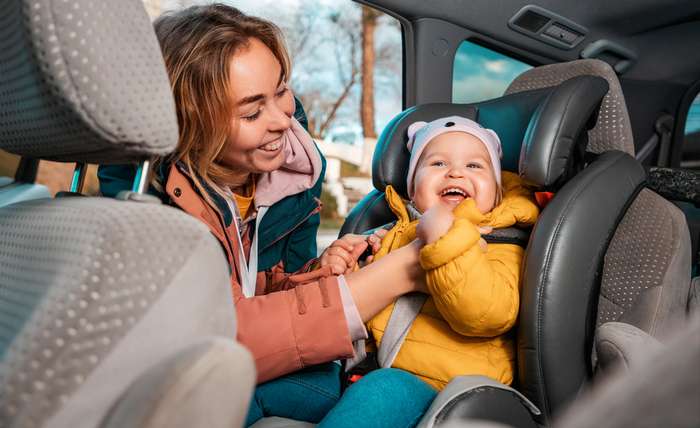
421, 133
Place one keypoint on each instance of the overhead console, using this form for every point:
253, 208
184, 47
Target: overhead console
547, 27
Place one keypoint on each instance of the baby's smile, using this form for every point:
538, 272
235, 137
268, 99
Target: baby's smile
453, 195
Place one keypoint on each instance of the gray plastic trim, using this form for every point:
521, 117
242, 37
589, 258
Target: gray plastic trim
554, 20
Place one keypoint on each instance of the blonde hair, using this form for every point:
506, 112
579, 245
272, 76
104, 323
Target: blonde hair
197, 45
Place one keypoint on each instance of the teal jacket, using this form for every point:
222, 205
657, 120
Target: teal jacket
288, 230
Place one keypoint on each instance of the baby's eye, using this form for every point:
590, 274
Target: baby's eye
474, 165
438, 163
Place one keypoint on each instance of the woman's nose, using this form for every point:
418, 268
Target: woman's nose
281, 120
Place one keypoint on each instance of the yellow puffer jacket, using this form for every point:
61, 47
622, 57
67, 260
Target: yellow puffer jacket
474, 301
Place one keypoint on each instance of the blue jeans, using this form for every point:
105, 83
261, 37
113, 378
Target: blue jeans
383, 398
306, 395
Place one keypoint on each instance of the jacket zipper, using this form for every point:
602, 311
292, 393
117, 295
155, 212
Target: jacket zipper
316, 209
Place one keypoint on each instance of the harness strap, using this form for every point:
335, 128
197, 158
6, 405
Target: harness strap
407, 307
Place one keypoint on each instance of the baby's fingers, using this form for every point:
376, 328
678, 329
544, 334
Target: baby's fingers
485, 230
375, 242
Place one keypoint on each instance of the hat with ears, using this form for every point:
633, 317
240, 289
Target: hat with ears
421, 133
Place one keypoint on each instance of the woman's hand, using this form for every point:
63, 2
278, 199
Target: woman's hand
377, 285
434, 223
343, 253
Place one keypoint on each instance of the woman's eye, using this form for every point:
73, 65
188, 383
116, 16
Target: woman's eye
281, 92
252, 117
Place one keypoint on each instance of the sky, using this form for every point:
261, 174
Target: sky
481, 74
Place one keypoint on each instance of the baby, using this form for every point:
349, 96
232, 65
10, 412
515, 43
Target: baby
457, 192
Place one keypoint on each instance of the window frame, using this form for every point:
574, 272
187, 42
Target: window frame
680, 122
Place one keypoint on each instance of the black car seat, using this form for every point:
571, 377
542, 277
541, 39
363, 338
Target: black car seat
605, 249
112, 312
607, 268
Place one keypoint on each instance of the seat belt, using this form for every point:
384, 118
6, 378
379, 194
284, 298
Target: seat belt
663, 127
407, 307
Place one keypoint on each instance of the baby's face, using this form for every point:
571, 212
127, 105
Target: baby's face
455, 166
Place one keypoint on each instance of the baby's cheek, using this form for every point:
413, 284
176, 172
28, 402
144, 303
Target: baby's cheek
421, 201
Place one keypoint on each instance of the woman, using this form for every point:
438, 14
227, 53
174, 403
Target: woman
246, 168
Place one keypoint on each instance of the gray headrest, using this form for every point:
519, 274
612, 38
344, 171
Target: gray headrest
83, 80
613, 130
542, 132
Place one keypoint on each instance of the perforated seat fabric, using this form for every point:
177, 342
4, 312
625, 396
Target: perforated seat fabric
635, 268
646, 275
83, 80
93, 292
613, 130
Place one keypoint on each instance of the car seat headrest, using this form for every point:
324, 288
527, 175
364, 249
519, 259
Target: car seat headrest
547, 124
83, 81
613, 130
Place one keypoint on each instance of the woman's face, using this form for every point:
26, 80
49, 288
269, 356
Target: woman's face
263, 107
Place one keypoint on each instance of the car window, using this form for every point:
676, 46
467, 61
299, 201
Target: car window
691, 137
480, 73
331, 65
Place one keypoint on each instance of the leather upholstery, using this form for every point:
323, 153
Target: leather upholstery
561, 276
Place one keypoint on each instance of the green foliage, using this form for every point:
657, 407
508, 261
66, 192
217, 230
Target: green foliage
350, 170
330, 207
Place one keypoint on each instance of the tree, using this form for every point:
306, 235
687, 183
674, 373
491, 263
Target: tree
369, 24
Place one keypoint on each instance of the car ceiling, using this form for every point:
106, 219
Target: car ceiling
664, 34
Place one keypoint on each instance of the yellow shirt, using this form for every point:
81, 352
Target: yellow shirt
244, 202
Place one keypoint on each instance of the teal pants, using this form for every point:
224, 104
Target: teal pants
383, 398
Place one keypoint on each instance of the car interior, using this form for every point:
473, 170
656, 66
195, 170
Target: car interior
118, 312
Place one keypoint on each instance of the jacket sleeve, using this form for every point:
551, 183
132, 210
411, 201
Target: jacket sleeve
475, 291
291, 329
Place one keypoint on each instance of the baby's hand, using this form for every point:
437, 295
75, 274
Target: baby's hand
343, 253
375, 242
484, 230
434, 223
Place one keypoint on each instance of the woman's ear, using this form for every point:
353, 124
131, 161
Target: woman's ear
412, 129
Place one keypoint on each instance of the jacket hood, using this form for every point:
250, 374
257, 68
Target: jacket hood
300, 171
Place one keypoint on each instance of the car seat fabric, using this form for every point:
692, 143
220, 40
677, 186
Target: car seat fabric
613, 130
93, 291
83, 81
174, 393
659, 391
643, 229
646, 267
